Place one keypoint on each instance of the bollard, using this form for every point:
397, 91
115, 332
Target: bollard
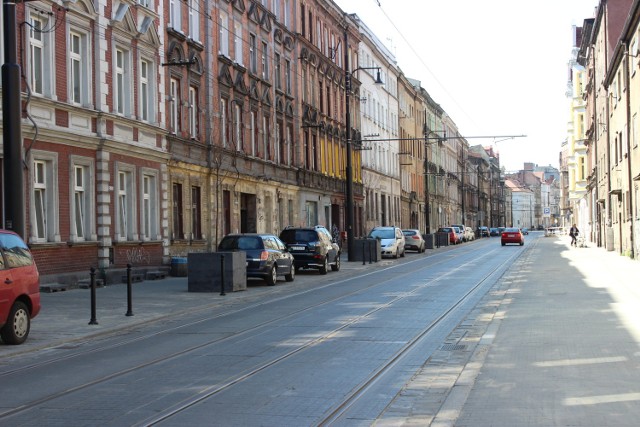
93, 320
129, 298
222, 275
371, 252
363, 257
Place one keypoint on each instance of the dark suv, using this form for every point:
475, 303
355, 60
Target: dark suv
267, 256
312, 247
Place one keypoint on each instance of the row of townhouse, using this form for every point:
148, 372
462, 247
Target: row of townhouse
602, 157
151, 129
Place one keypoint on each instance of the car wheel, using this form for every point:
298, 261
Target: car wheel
521, 243
503, 243
402, 254
292, 274
325, 266
395, 255
336, 265
16, 330
272, 278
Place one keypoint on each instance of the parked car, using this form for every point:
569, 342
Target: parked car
483, 231
525, 231
461, 228
19, 288
469, 235
413, 240
392, 241
453, 237
493, 231
267, 256
512, 235
312, 247
459, 233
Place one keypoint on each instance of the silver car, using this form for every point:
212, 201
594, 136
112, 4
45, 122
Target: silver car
392, 240
413, 240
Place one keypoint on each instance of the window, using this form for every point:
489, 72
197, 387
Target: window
122, 90
76, 67
237, 42
224, 34
125, 205
254, 134
238, 126
81, 203
39, 36
253, 54
196, 214
265, 61
174, 100
193, 112
194, 19
287, 14
287, 75
178, 224
150, 224
278, 71
144, 90
265, 138
175, 15
223, 122
44, 197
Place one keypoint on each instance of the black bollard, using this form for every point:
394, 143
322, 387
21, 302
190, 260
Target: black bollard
129, 293
222, 275
371, 252
363, 257
93, 320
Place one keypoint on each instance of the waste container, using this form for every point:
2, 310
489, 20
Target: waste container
179, 266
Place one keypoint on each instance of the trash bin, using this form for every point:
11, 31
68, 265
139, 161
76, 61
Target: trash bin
179, 266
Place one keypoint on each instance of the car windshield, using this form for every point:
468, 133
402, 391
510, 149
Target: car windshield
511, 230
444, 230
241, 242
409, 232
382, 233
292, 236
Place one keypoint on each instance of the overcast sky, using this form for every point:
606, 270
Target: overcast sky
497, 67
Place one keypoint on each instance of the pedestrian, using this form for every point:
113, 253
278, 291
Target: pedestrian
573, 232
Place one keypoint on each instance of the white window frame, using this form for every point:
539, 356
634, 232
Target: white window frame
237, 125
193, 112
175, 15
82, 199
223, 122
125, 206
149, 205
264, 59
146, 71
41, 82
194, 19
76, 67
253, 54
174, 100
44, 215
223, 30
122, 82
238, 42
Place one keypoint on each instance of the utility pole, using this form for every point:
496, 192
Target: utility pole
13, 179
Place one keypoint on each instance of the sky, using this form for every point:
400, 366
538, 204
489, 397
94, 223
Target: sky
497, 67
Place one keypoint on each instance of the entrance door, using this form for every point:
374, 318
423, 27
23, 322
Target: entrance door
248, 219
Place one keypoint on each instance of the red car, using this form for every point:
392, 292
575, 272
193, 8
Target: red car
19, 290
512, 235
453, 236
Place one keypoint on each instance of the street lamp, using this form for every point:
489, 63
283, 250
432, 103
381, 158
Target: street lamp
348, 171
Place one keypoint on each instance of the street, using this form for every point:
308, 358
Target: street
400, 342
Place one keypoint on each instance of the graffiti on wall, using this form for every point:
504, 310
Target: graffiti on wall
136, 256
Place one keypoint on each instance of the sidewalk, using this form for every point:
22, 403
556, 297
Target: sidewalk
556, 343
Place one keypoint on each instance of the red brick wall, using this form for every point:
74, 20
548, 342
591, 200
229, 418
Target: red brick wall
65, 259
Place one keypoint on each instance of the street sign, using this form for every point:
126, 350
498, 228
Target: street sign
546, 212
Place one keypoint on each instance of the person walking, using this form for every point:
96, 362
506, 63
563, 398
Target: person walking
573, 232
